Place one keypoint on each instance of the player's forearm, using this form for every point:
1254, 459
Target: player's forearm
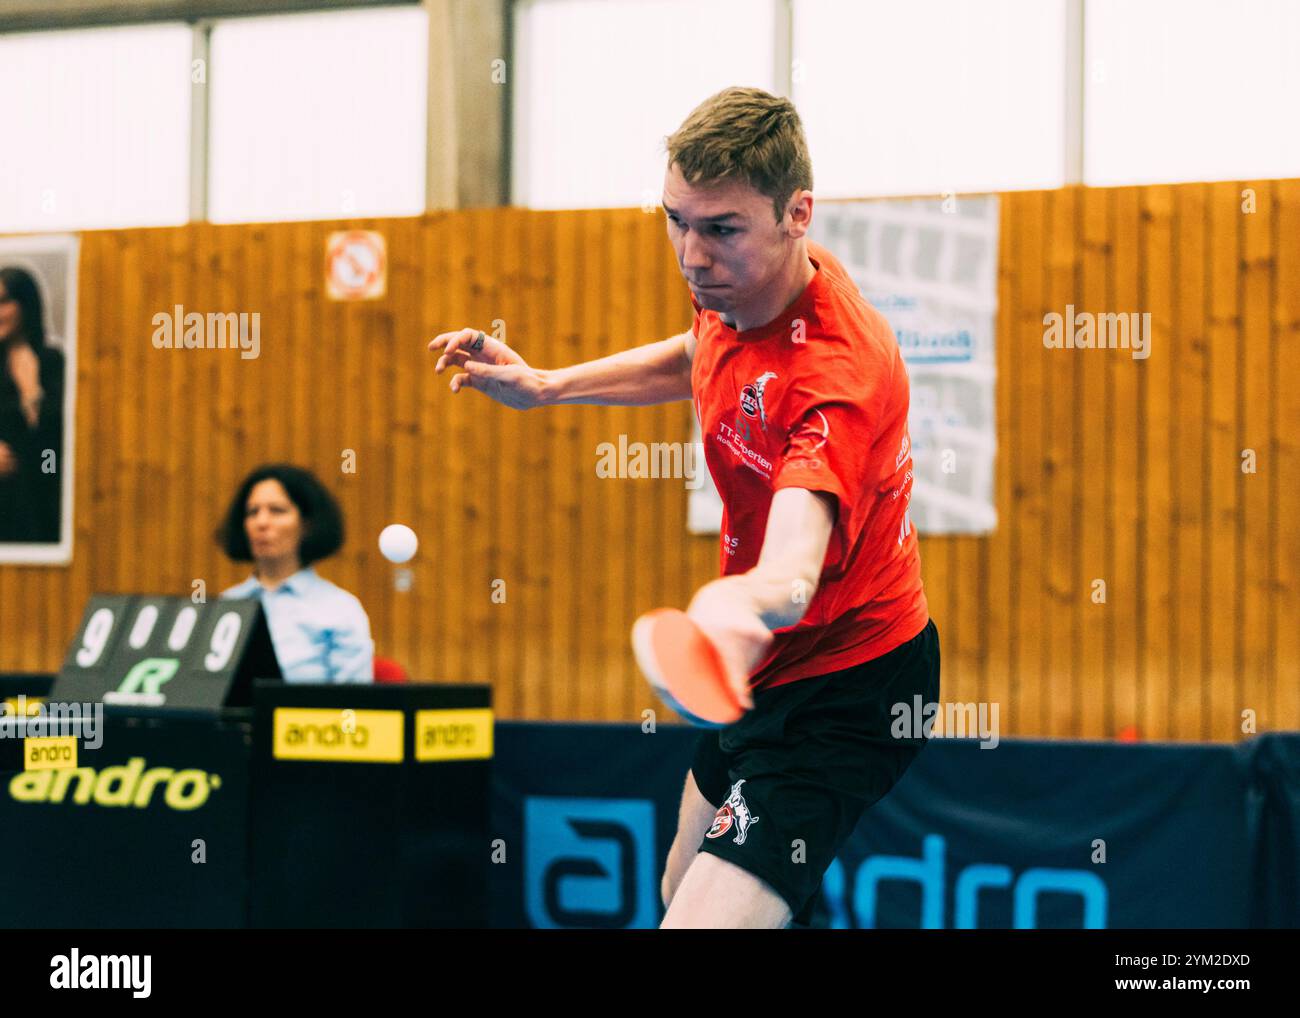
781, 585
654, 373
779, 595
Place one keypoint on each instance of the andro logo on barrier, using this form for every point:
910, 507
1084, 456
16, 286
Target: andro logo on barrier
589, 863
929, 872
49, 753
333, 735
464, 734
128, 784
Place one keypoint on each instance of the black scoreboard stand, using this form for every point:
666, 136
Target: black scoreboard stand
371, 805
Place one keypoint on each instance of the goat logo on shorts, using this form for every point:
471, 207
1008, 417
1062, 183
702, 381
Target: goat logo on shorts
733, 813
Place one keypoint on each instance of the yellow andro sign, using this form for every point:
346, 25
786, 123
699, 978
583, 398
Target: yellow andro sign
453, 734
333, 734
132, 784
49, 754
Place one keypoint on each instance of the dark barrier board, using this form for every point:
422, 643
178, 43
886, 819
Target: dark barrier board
370, 805
1274, 810
352, 826
153, 833
29, 684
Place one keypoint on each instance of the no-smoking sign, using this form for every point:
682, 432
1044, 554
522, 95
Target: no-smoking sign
356, 265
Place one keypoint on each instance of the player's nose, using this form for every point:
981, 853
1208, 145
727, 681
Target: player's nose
694, 260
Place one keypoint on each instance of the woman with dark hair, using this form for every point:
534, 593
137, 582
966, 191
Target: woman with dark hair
31, 414
282, 519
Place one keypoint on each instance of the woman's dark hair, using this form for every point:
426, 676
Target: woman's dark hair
322, 520
21, 286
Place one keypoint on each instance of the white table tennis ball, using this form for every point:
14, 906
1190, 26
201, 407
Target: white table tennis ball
398, 543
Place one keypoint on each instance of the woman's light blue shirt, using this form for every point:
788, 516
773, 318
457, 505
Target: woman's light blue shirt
320, 631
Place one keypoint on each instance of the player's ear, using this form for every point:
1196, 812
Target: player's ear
798, 213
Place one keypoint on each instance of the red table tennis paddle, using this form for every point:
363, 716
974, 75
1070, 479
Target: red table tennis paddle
685, 668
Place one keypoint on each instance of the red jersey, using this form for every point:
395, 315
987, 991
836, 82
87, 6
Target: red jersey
817, 399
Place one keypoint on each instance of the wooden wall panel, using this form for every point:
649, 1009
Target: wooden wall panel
1189, 664
1065, 595
1095, 425
1284, 505
1023, 512
1256, 660
1109, 467
1223, 466
1125, 617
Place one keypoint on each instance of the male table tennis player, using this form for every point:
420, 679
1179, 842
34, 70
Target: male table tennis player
819, 617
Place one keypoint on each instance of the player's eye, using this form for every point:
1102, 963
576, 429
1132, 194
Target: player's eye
724, 231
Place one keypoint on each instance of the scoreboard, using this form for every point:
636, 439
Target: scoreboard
167, 652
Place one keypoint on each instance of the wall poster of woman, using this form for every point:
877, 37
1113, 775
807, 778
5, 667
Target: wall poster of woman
38, 344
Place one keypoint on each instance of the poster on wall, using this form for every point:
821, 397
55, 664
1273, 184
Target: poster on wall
38, 344
930, 267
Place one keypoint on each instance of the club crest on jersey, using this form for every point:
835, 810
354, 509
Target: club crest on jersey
751, 398
732, 813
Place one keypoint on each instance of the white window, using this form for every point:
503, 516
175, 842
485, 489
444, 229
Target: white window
1191, 90
96, 128
600, 83
930, 96
318, 116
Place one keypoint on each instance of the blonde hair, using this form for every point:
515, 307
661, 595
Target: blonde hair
744, 134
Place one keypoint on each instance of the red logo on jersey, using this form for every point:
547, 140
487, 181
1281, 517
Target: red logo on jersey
751, 398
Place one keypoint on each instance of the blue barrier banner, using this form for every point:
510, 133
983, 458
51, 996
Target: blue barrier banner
584, 816
1275, 770
1027, 834
1051, 835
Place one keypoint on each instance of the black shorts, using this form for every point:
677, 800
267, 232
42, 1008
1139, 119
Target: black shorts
792, 777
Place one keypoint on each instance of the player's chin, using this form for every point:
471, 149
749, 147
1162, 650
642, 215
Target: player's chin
713, 300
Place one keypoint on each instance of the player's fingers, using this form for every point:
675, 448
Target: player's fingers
461, 381
443, 338
456, 357
480, 370
454, 345
448, 342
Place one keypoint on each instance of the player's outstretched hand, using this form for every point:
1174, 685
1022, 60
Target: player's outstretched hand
724, 612
491, 367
